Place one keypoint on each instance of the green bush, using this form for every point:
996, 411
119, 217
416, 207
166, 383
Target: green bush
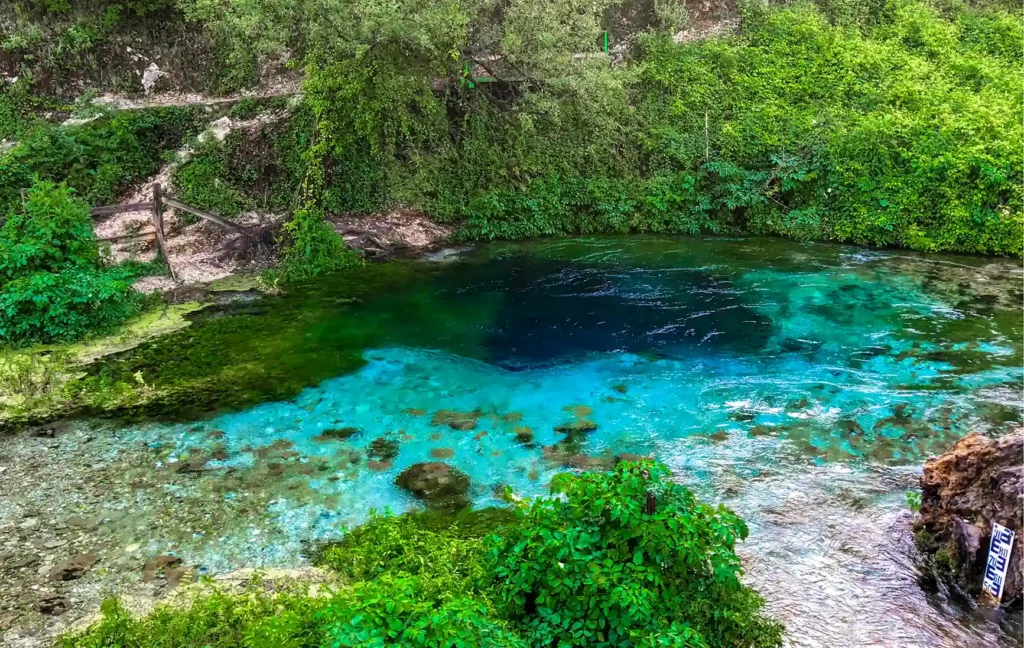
258, 168
17, 108
594, 567
101, 159
52, 284
217, 619
900, 133
204, 181
402, 612
314, 247
444, 551
587, 567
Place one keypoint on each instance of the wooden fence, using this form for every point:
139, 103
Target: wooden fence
156, 206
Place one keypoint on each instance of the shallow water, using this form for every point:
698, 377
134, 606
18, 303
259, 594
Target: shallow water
803, 385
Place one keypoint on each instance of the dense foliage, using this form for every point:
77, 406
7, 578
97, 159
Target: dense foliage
51, 51
895, 122
889, 122
53, 285
598, 568
587, 567
258, 168
100, 159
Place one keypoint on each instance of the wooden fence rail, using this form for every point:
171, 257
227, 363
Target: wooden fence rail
156, 206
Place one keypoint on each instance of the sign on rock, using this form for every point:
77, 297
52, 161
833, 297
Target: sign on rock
998, 561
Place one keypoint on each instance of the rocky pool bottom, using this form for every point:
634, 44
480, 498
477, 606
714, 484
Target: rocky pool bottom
801, 385
830, 546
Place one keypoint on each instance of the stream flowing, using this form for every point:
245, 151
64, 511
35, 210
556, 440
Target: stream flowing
803, 385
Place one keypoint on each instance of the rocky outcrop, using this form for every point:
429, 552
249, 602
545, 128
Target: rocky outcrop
438, 484
977, 482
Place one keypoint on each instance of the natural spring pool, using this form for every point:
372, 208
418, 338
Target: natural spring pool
803, 385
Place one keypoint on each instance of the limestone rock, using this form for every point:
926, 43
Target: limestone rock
977, 482
628, 456
382, 449
438, 484
150, 76
579, 426
54, 430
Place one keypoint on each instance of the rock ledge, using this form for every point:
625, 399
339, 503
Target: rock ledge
977, 482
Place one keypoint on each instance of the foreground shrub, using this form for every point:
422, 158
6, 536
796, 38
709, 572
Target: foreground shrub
101, 159
587, 567
216, 619
594, 566
443, 550
52, 283
403, 612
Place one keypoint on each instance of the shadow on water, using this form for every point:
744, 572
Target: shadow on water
553, 309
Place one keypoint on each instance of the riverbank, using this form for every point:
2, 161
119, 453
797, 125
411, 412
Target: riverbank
386, 558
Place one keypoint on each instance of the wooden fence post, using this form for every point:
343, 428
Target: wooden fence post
158, 223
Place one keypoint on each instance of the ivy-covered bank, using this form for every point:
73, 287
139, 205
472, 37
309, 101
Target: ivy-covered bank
628, 576
890, 122
893, 123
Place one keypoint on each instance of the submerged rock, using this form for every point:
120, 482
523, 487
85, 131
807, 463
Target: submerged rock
461, 421
578, 426
379, 466
165, 572
336, 434
568, 455
382, 449
441, 486
159, 567
579, 411
73, 568
633, 458
52, 605
54, 429
524, 434
977, 482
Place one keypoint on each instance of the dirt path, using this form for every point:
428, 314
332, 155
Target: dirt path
199, 252
278, 87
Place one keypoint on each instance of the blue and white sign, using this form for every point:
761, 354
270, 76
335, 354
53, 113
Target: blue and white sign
999, 550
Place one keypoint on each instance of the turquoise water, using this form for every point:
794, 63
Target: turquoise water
803, 385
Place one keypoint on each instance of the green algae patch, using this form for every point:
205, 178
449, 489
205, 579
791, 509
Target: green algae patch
150, 324
34, 382
245, 352
236, 283
44, 382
